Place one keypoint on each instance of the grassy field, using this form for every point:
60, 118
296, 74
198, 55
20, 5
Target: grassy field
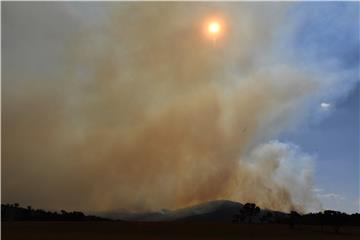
119, 230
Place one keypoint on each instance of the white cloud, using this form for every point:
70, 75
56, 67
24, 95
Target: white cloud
333, 196
325, 105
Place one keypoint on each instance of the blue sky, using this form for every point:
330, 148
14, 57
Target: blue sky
327, 39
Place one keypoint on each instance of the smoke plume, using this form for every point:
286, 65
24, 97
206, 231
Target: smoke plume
130, 106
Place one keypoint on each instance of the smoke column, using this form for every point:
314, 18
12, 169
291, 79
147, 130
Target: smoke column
129, 106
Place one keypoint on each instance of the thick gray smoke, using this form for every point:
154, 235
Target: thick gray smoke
130, 106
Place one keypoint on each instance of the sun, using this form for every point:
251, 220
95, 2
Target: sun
214, 27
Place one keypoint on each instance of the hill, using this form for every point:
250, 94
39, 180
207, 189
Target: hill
219, 211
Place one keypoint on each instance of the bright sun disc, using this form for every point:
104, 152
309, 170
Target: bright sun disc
214, 27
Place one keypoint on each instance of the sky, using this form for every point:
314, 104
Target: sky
334, 136
133, 106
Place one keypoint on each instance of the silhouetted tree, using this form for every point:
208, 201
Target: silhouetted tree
13, 212
250, 210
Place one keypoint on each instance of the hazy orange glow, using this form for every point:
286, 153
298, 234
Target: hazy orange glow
214, 28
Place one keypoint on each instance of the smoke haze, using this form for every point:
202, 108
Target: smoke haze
129, 106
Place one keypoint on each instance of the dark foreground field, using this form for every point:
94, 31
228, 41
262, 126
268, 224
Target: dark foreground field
120, 230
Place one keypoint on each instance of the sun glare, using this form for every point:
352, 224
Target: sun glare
214, 27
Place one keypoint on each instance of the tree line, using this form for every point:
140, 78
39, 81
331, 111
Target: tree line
250, 213
14, 212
